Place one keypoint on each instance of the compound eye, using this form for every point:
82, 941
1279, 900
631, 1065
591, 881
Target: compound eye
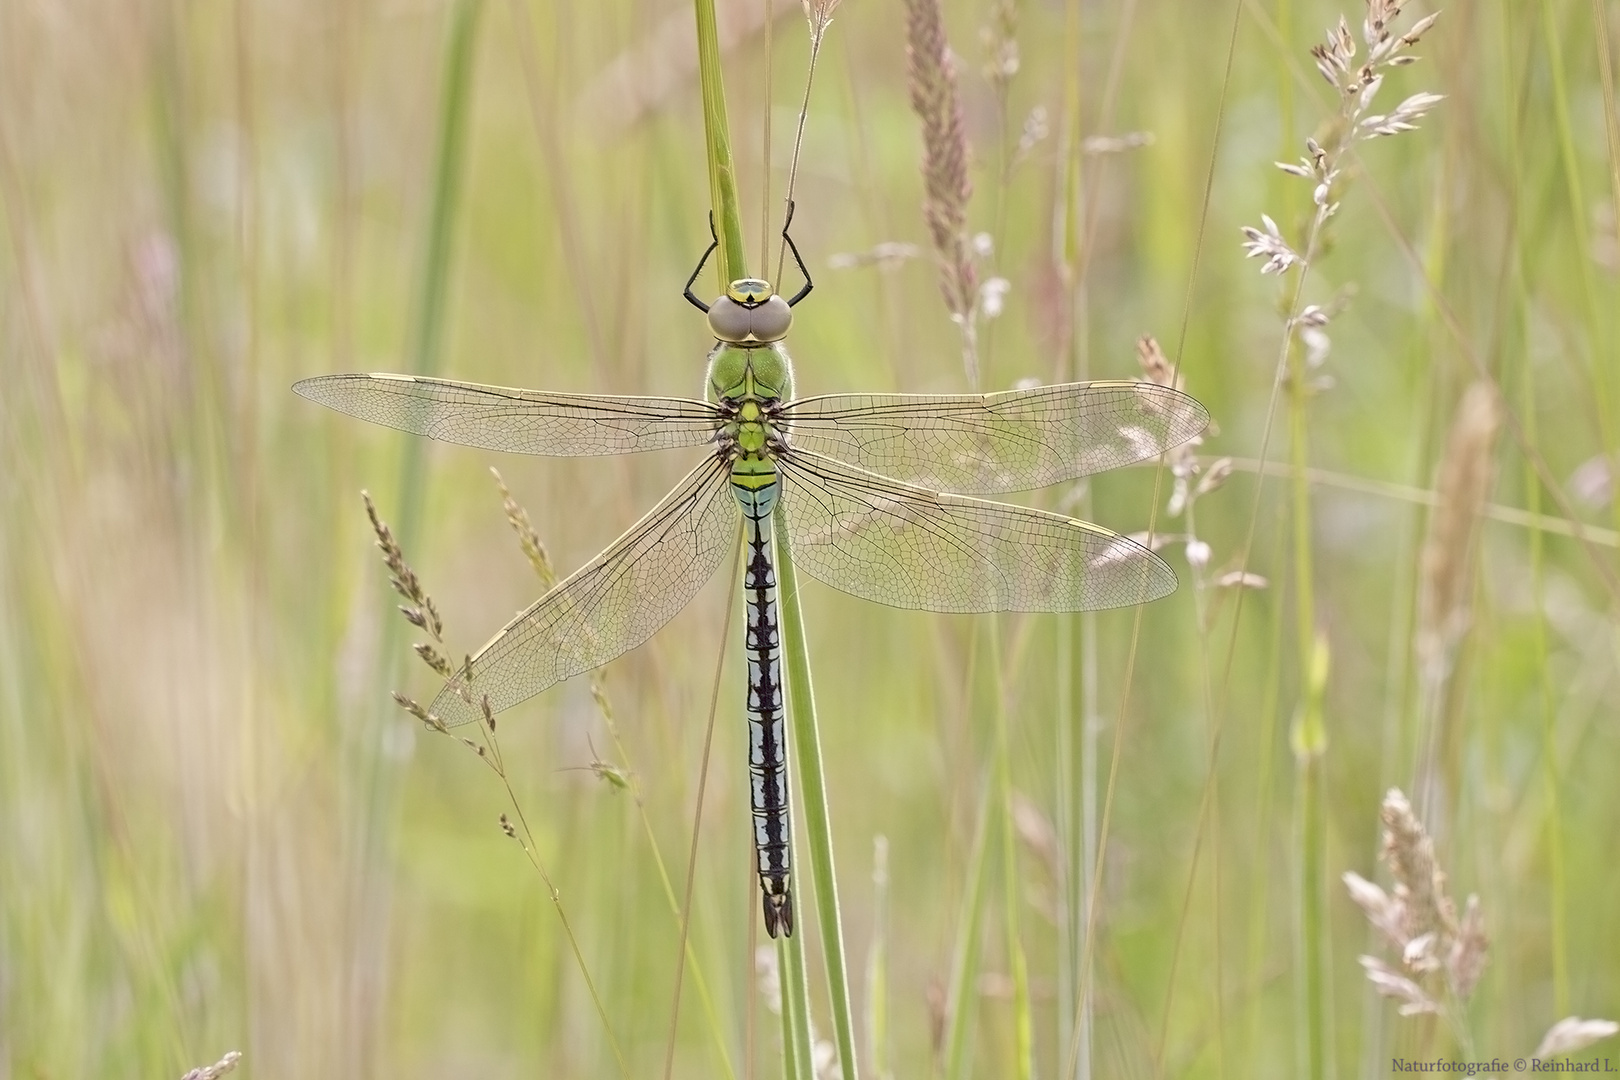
729, 320
772, 319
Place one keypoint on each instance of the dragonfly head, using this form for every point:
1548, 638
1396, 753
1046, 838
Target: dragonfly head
750, 313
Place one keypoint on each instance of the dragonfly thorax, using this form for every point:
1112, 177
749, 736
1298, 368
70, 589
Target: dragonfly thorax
750, 313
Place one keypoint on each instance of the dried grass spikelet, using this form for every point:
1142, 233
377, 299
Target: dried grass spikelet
528, 539
1000, 37
1420, 884
931, 73
224, 1065
1418, 917
1467, 472
1571, 1035
419, 610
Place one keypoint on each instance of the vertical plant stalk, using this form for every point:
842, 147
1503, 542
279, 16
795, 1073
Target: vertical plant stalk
1077, 634
379, 774
877, 968
1309, 734
1558, 884
965, 963
1447, 570
717, 139
819, 15
1601, 372
1023, 1029
1309, 743
1356, 82
801, 707
805, 740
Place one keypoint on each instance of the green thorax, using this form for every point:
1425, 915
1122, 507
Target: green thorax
750, 380
739, 372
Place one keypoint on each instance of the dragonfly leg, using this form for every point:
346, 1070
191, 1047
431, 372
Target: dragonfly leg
797, 258
714, 242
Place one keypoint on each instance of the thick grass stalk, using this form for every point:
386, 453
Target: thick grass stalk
805, 741
801, 706
797, 1060
427, 340
717, 139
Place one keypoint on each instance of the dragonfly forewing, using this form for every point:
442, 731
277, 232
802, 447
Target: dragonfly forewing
988, 443
900, 545
612, 604
517, 421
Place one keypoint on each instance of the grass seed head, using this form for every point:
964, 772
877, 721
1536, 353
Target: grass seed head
931, 74
1467, 473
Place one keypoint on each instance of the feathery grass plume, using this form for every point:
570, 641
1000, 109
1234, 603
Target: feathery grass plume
419, 610
819, 13
540, 561
1467, 472
1357, 85
931, 72
219, 1068
1190, 481
528, 538
422, 613
1419, 920
1000, 37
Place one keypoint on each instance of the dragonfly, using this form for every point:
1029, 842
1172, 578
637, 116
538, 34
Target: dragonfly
874, 492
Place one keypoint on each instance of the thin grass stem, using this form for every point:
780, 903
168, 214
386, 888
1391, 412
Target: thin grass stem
378, 773
1023, 1026
959, 1002
685, 907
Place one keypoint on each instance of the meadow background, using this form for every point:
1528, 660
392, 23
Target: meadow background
218, 833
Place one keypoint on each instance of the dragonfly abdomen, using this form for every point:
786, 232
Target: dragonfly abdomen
767, 759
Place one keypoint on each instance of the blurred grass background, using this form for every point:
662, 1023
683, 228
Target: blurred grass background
216, 832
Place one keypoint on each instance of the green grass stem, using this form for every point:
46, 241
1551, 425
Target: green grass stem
805, 740
717, 139
801, 706
961, 997
1309, 741
797, 1058
379, 773
1017, 970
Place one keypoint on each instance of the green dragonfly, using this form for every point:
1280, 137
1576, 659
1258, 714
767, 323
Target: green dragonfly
859, 480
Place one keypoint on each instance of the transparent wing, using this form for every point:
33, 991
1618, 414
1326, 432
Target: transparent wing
985, 443
519, 421
886, 541
612, 604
